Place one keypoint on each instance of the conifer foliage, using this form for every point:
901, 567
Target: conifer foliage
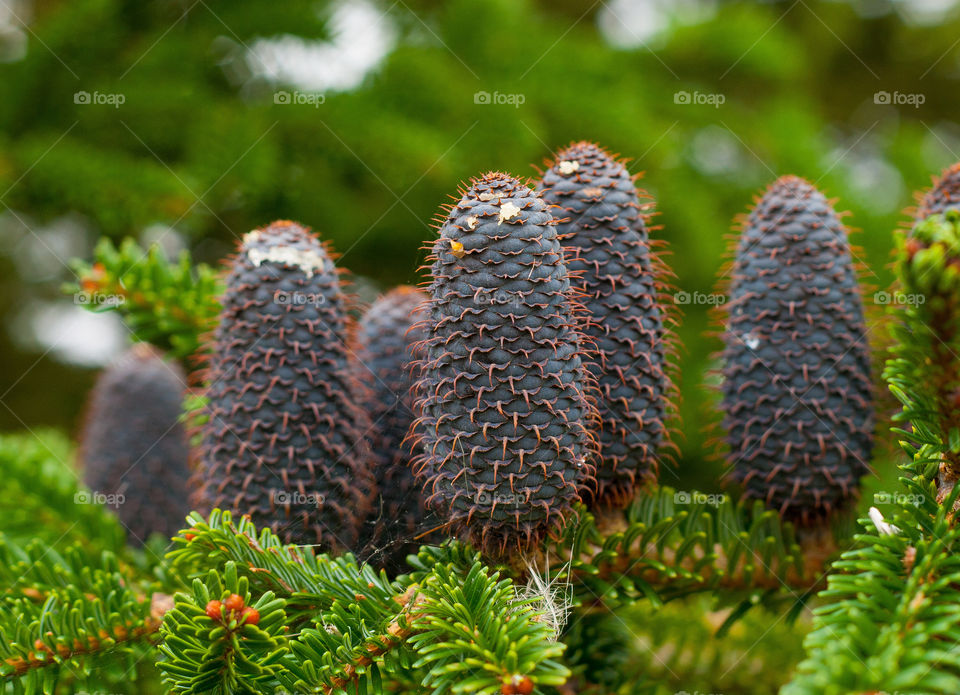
891, 623
928, 260
170, 304
284, 437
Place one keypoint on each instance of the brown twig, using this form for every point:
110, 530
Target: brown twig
123, 633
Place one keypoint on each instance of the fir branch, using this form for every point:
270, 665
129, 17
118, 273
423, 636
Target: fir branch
672, 544
170, 304
360, 661
924, 370
477, 636
307, 581
46, 654
462, 626
62, 612
893, 615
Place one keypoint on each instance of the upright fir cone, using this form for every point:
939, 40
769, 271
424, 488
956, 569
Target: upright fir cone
284, 437
384, 352
796, 375
504, 445
611, 264
133, 445
943, 195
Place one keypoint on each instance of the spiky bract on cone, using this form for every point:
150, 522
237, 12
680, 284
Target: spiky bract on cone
284, 437
796, 373
608, 253
133, 448
384, 351
943, 195
504, 444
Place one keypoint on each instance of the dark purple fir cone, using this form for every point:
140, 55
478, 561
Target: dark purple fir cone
943, 195
384, 353
284, 437
134, 449
796, 384
504, 423
621, 282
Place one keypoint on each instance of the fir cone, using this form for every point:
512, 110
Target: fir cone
133, 447
384, 351
504, 443
943, 195
611, 264
796, 375
284, 436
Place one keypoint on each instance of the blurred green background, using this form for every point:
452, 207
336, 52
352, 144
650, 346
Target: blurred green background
189, 123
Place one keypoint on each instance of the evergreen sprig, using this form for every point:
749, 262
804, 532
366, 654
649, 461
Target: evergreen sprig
61, 616
458, 625
893, 617
208, 648
307, 581
170, 304
923, 372
893, 612
477, 636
